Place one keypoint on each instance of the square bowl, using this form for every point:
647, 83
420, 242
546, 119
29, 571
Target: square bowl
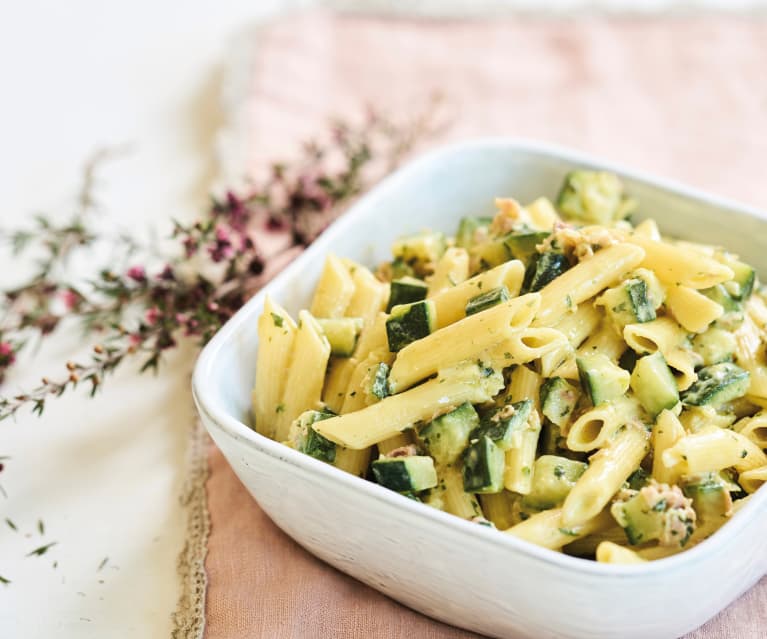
450, 569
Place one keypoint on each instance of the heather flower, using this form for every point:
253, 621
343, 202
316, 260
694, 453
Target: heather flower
152, 315
137, 274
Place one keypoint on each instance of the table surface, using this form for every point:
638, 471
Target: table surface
104, 475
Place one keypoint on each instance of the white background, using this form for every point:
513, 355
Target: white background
105, 475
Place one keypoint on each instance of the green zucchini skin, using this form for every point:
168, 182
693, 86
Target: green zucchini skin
501, 424
654, 385
522, 244
447, 436
405, 474
410, 322
717, 384
643, 309
406, 290
543, 269
309, 441
710, 495
483, 466
486, 300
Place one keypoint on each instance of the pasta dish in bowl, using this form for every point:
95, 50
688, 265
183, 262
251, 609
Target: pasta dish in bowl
557, 372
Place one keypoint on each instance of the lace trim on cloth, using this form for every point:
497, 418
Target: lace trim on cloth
189, 617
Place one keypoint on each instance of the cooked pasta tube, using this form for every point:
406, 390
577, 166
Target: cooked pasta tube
648, 228
548, 528
525, 384
667, 432
452, 387
608, 469
354, 462
693, 310
396, 441
452, 497
674, 264
750, 355
585, 280
276, 332
465, 339
576, 327
452, 269
755, 428
605, 341
451, 303
610, 553
520, 458
334, 290
664, 335
598, 425
752, 480
712, 450
306, 374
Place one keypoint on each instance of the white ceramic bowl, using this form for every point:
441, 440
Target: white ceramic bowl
447, 568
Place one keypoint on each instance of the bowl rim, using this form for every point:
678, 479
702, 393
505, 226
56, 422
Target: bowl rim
216, 414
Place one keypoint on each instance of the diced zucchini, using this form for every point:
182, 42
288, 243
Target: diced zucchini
467, 230
553, 479
486, 300
420, 251
558, 400
490, 254
410, 322
628, 303
638, 479
406, 290
721, 296
710, 495
379, 386
550, 439
502, 425
653, 384
308, 441
742, 285
714, 346
656, 292
593, 197
544, 268
342, 333
405, 474
447, 436
717, 384
601, 379
483, 466
400, 269
521, 244
657, 511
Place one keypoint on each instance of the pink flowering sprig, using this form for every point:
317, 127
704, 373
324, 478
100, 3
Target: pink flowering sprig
219, 261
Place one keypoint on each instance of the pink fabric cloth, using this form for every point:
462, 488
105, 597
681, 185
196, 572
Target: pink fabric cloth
681, 98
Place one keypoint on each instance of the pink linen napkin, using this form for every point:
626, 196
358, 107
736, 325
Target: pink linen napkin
681, 98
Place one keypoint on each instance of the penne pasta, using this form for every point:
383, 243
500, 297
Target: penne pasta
334, 290
452, 269
276, 333
712, 450
548, 528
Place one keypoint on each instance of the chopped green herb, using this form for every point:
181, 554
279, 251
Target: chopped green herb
743, 453
4, 581
11, 525
280, 408
559, 471
41, 550
569, 532
278, 320
40, 526
103, 563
